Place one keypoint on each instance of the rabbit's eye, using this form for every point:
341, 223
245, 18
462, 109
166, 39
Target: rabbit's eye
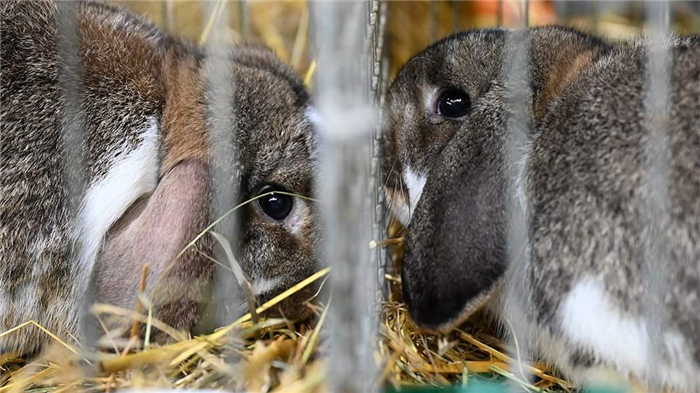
276, 206
453, 104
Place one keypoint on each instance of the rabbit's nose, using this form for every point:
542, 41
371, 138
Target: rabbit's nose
439, 287
428, 306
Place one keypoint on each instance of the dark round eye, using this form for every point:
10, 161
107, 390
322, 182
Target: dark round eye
453, 104
276, 206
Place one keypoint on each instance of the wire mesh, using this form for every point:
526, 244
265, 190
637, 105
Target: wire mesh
517, 307
378, 85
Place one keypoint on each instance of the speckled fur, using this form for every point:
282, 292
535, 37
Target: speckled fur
132, 73
582, 182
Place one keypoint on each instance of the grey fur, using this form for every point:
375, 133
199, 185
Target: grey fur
132, 73
582, 181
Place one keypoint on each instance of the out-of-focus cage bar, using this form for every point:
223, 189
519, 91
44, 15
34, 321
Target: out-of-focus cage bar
347, 131
230, 287
71, 85
655, 182
518, 131
75, 152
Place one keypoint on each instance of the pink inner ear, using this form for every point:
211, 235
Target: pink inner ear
155, 231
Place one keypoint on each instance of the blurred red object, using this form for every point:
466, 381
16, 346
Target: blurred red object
541, 12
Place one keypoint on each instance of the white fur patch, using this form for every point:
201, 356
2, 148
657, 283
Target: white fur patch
265, 285
130, 176
590, 320
429, 100
401, 210
678, 370
298, 218
414, 183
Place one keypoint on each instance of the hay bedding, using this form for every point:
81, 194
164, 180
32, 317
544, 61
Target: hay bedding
269, 355
274, 355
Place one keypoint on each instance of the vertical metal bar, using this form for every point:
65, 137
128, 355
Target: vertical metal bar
456, 15
244, 19
434, 25
71, 85
301, 38
500, 19
595, 15
74, 145
526, 13
225, 171
220, 104
655, 182
345, 151
381, 219
378, 256
164, 16
517, 297
170, 17
565, 11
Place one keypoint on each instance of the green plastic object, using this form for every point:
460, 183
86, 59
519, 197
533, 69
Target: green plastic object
479, 386
475, 386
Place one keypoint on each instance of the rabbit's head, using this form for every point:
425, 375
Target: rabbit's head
444, 162
258, 141
277, 152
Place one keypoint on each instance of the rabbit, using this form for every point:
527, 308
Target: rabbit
147, 192
445, 168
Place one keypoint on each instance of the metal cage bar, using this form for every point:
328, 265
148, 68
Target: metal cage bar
74, 152
516, 152
655, 182
377, 91
345, 146
227, 294
244, 19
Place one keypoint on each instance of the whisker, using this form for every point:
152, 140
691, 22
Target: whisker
391, 170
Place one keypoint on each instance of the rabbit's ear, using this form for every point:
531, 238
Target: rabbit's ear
455, 249
154, 231
560, 55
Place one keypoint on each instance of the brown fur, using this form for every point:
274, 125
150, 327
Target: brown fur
184, 119
568, 63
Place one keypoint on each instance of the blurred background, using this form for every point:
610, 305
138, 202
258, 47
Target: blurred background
411, 25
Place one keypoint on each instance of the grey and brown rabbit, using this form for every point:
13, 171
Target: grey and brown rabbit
144, 113
446, 169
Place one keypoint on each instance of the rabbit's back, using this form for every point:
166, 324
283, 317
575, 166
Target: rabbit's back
44, 269
589, 204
